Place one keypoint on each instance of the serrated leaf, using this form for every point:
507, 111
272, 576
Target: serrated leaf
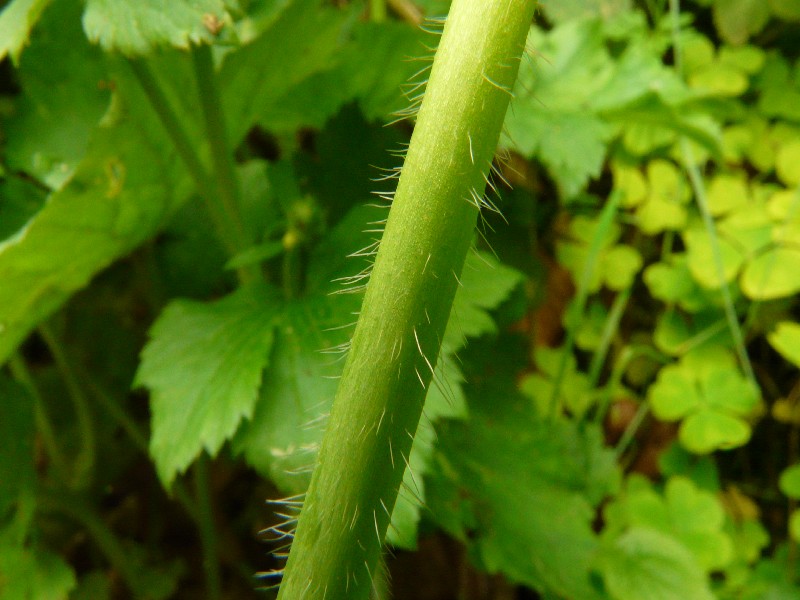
376, 84
644, 564
485, 283
259, 74
136, 28
16, 22
568, 139
203, 366
526, 508
786, 340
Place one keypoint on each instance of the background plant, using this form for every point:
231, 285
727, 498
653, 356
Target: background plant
629, 427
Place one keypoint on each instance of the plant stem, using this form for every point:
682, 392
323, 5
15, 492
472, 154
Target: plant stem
609, 331
206, 187
698, 187
581, 297
228, 195
377, 10
43, 423
84, 464
75, 507
208, 535
407, 303
139, 439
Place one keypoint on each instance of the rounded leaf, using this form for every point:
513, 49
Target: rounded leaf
774, 274
709, 430
644, 564
786, 340
790, 481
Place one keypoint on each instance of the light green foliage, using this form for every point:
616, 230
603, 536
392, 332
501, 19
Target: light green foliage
644, 564
30, 574
690, 516
521, 490
620, 135
573, 394
705, 391
616, 264
786, 340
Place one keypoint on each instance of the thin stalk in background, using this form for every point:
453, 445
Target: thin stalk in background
698, 186
75, 507
407, 304
228, 194
85, 462
206, 187
208, 534
582, 295
44, 425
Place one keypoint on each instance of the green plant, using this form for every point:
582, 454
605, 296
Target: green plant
184, 211
402, 322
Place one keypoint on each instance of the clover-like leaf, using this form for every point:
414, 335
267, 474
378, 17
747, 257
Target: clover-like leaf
786, 340
644, 563
788, 163
773, 274
665, 205
790, 481
706, 391
615, 266
672, 282
727, 193
571, 391
691, 516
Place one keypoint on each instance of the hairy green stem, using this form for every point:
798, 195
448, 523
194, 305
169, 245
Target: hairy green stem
407, 305
84, 464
